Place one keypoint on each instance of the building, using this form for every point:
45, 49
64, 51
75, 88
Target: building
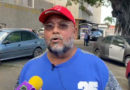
22, 13
25, 13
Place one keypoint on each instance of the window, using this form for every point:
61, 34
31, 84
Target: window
30, 3
3, 35
27, 36
14, 37
118, 41
127, 40
107, 39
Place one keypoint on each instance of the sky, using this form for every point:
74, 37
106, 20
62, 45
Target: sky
105, 12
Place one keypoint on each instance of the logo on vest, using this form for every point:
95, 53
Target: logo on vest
83, 85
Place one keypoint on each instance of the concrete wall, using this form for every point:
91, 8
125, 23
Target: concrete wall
20, 17
74, 8
78, 14
96, 18
84, 15
23, 17
38, 4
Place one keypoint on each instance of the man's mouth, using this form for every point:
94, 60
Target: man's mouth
55, 40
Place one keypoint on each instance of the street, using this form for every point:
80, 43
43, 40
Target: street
10, 70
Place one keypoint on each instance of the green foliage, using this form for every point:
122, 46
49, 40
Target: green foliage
94, 2
82, 7
91, 2
109, 20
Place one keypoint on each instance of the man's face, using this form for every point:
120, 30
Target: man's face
59, 34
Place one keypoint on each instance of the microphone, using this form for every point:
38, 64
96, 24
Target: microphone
35, 83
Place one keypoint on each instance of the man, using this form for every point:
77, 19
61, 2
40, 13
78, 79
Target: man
63, 66
86, 38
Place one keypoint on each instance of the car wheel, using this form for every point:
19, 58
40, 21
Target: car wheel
127, 59
37, 52
97, 52
129, 82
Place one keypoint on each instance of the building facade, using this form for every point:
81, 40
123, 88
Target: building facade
25, 13
22, 13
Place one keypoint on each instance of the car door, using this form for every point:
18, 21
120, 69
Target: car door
29, 43
11, 45
104, 46
117, 48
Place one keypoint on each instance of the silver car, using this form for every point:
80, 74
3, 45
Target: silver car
16, 43
113, 47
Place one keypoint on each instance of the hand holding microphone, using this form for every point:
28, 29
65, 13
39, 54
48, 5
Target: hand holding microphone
35, 83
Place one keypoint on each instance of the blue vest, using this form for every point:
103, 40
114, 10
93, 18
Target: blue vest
83, 71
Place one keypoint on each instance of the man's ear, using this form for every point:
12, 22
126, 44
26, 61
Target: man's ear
75, 32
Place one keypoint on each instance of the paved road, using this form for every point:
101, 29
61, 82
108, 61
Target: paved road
119, 71
9, 70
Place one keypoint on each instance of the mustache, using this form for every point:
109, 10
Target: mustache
56, 36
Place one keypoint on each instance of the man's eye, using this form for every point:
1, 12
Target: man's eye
63, 26
48, 26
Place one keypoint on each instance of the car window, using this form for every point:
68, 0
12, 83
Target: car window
107, 39
27, 36
3, 35
118, 41
127, 40
14, 37
96, 32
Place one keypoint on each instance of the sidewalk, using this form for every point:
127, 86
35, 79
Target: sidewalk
80, 44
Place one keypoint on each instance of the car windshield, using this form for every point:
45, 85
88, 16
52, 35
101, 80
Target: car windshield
3, 35
96, 33
128, 40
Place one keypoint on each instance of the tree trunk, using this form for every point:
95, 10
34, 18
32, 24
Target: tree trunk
121, 10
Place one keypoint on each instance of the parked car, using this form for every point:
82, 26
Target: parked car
15, 42
113, 47
40, 32
128, 73
95, 35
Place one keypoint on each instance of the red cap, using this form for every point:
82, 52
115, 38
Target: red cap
56, 10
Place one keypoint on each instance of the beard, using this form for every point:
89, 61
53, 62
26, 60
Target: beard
57, 49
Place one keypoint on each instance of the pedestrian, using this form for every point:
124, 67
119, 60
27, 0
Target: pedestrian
86, 38
64, 66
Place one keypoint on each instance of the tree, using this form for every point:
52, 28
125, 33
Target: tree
121, 10
109, 20
90, 2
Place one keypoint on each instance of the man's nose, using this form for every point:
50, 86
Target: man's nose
56, 29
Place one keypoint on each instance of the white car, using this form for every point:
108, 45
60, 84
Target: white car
113, 47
